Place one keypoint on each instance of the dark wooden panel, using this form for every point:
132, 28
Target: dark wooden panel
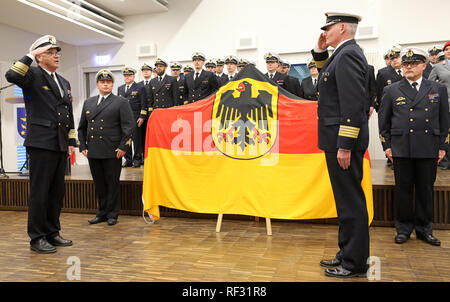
80, 196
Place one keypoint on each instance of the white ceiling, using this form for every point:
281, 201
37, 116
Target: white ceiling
28, 18
123, 8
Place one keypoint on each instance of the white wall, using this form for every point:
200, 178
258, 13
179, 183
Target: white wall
288, 27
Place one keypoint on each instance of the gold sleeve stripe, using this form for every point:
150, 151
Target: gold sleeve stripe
143, 112
150, 109
128, 143
72, 134
20, 68
382, 139
19, 71
348, 131
447, 140
320, 64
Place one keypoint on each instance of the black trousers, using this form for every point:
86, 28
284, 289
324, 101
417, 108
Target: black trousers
353, 238
414, 180
106, 176
136, 153
46, 192
144, 133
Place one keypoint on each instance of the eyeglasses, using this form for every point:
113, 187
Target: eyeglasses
411, 64
53, 53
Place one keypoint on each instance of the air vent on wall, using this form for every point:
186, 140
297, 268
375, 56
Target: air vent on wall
244, 43
366, 32
146, 50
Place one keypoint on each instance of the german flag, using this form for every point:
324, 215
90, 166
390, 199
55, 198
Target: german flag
249, 149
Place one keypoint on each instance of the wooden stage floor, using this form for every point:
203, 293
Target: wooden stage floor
189, 250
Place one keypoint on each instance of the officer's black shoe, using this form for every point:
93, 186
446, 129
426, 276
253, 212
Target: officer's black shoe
97, 220
112, 221
428, 238
42, 246
127, 164
445, 167
136, 163
59, 241
341, 272
330, 263
401, 238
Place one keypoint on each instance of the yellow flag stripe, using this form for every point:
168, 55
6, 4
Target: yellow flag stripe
219, 184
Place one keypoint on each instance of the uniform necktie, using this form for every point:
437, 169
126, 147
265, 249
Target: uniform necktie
160, 79
126, 88
146, 82
414, 85
271, 76
101, 100
315, 82
196, 75
231, 77
400, 72
57, 84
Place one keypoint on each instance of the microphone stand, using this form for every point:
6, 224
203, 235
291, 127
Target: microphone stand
2, 170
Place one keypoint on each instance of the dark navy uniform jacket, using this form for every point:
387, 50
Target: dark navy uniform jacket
105, 127
199, 89
163, 94
50, 124
137, 98
385, 76
414, 124
342, 99
308, 91
427, 71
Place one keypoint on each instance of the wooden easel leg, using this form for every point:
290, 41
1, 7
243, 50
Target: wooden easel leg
219, 223
269, 227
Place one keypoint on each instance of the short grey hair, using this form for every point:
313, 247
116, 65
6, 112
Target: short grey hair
351, 28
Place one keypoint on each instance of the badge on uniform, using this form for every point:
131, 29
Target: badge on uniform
46, 87
88, 112
433, 98
389, 82
400, 101
325, 76
134, 92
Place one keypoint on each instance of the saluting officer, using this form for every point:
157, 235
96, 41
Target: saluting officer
137, 97
219, 71
175, 69
389, 74
344, 136
105, 130
163, 88
309, 84
200, 83
432, 60
413, 123
50, 138
272, 63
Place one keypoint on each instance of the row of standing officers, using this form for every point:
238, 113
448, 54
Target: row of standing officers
164, 91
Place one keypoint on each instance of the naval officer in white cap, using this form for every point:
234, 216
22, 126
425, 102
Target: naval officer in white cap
50, 139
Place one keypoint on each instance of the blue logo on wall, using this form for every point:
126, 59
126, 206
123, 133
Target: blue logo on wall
22, 122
